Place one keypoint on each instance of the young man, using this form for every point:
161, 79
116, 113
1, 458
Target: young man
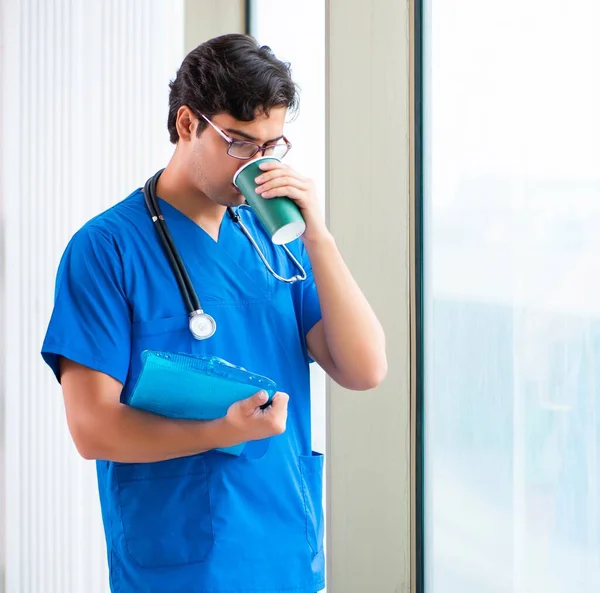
180, 516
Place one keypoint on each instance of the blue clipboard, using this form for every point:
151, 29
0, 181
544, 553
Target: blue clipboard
194, 387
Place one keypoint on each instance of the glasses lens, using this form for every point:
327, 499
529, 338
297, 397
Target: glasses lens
277, 150
243, 150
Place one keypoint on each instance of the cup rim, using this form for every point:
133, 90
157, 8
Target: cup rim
260, 158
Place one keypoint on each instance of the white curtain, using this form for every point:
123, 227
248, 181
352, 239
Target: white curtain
83, 108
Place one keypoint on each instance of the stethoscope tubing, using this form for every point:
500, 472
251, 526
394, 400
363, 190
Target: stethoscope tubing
186, 288
192, 302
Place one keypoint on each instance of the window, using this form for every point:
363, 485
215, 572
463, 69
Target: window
511, 296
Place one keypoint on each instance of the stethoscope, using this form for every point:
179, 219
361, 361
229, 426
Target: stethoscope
201, 324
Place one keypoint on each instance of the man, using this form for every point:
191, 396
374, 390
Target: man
179, 515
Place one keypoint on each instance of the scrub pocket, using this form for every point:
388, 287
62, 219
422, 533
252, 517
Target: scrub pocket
165, 511
311, 468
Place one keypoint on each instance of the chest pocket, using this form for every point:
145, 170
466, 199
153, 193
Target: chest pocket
157, 329
165, 511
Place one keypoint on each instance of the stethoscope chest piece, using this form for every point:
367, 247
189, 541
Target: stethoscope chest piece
202, 325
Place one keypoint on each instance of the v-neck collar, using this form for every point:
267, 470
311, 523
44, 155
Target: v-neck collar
224, 253
177, 214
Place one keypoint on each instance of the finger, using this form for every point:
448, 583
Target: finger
280, 401
271, 165
255, 401
287, 191
274, 174
279, 408
281, 182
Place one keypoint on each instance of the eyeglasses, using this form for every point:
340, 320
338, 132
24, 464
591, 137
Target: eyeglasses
244, 149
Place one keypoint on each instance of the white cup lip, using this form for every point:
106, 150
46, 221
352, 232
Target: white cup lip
288, 232
260, 158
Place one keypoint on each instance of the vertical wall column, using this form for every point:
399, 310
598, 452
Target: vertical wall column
368, 157
205, 19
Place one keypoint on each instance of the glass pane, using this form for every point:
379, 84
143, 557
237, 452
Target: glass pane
277, 150
243, 150
512, 296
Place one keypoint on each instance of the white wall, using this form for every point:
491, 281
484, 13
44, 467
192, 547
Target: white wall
272, 26
84, 107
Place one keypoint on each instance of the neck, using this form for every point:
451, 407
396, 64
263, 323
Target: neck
175, 187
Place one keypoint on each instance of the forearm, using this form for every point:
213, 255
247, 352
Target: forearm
116, 432
354, 336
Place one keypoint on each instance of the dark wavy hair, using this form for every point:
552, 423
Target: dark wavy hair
230, 74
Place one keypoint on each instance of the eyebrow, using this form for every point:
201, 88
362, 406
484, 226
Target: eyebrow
250, 137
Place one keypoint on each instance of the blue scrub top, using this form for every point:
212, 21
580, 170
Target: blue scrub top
208, 523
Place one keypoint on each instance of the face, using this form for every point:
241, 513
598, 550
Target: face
210, 167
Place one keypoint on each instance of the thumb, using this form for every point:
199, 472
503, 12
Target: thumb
250, 404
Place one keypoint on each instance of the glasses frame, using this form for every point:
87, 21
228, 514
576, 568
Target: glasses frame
231, 141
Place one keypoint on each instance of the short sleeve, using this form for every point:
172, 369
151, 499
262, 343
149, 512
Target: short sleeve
91, 321
311, 308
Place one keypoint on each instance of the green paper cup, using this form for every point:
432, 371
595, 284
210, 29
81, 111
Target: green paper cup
280, 216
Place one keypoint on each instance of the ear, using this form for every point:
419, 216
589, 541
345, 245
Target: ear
186, 123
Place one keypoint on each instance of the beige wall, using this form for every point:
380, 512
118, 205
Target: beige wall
368, 203
208, 18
